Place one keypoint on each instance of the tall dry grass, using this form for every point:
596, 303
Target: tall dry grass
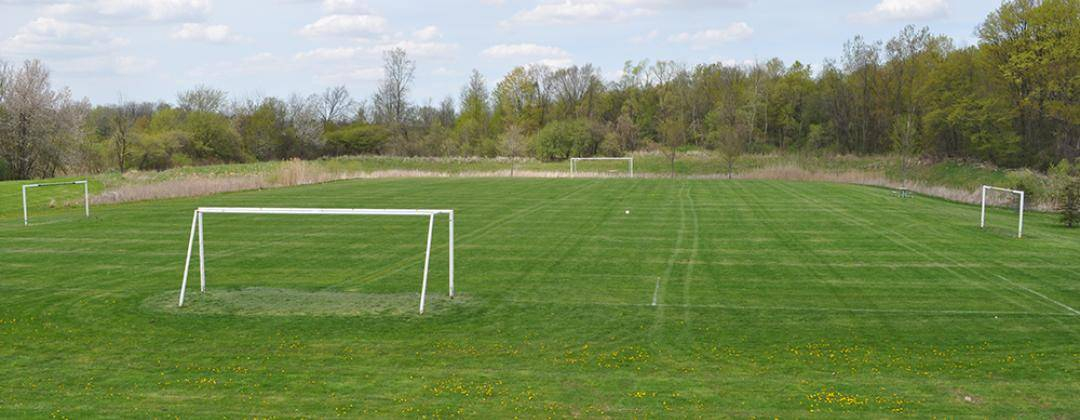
298, 172
794, 173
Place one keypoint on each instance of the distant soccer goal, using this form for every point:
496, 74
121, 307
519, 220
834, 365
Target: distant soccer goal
574, 163
197, 227
26, 208
986, 189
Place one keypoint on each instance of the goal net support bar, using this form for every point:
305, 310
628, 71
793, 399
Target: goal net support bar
574, 162
26, 208
985, 189
197, 228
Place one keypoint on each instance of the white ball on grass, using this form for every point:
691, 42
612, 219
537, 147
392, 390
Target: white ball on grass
628, 212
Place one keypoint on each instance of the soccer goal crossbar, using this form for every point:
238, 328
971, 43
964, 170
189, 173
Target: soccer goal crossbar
26, 208
574, 162
985, 189
197, 228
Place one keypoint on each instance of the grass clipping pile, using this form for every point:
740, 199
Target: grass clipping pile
265, 301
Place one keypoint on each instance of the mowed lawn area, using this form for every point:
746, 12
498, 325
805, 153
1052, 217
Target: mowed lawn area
709, 298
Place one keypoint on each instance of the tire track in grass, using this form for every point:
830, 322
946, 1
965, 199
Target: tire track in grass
670, 267
911, 245
688, 274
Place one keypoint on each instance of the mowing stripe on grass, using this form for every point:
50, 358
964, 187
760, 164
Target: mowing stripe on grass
766, 308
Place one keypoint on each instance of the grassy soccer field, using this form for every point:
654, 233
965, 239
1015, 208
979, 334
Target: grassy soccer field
771, 298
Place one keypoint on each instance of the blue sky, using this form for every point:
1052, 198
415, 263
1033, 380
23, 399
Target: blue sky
151, 49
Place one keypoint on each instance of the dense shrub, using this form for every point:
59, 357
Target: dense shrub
357, 139
566, 139
1033, 185
213, 138
1069, 198
160, 151
5, 170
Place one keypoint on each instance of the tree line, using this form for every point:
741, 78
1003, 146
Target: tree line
1011, 100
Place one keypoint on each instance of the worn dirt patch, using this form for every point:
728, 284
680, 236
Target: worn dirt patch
264, 301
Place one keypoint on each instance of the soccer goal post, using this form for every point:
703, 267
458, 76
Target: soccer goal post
26, 207
988, 188
574, 162
197, 228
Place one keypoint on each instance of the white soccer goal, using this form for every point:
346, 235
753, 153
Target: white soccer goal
197, 226
26, 209
574, 162
987, 188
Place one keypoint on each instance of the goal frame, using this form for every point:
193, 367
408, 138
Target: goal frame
574, 161
26, 208
197, 227
982, 220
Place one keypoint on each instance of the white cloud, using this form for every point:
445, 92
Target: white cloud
443, 71
259, 63
582, 11
120, 65
366, 74
427, 33
44, 36
731, 62
414, 48
352, 7
641, 39
556, 63
524, 50
345, 25
903, 10
572, 11
329, 54
709, 37
217, 34
419, 49
124, 11
129, 65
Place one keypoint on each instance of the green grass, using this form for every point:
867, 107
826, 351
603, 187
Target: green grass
774, 299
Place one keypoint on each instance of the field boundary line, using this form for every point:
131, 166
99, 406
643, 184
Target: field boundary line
789, 308
1070, 308
656, 292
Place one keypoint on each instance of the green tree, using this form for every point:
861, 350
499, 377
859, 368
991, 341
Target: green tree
673, 133
1035, 45
473, 127
1070, 203
512, 145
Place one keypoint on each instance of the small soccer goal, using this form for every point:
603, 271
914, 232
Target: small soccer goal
197, 228
26, 207
989, 189
574, 163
